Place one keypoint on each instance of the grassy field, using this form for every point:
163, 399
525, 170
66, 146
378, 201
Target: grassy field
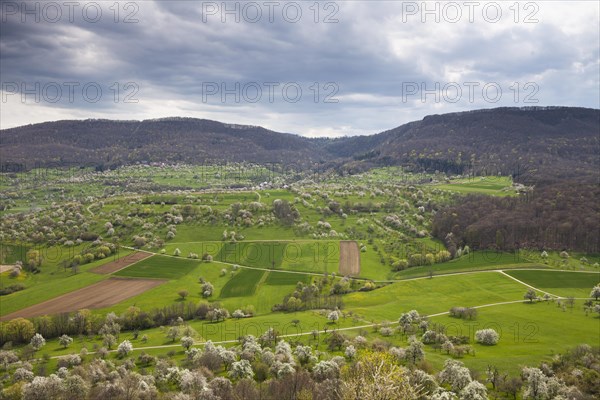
371, 267
529, 334
281, 278
268, 255
561, 283
435, 295
243, 283
315, 256
490, 185
474, 261
160, 267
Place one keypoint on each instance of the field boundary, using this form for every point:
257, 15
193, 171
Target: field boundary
121, 263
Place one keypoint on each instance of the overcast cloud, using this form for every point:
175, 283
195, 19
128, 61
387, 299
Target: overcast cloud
360, 65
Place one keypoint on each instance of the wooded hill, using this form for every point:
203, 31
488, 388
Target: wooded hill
534, 145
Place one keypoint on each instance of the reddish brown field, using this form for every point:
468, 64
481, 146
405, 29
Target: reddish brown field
121, 263
98, 295
349, 258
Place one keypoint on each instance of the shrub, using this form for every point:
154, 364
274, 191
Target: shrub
11, 289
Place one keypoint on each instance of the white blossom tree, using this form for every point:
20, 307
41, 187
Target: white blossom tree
474, 391
536, 387
125, 347
37, 342
326, 369
187, 342
43, 388
241, 370
455, 374
333, 316
192, 382
65, 341
350, 352
595, 293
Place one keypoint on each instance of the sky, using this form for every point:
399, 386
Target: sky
329, 68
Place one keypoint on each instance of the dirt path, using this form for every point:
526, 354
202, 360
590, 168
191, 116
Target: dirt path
4, 268
99, 295
349, 258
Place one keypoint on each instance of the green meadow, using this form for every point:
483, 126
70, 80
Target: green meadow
560, 283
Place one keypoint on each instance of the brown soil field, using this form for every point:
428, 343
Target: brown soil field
349, 258
121, 263
98, 295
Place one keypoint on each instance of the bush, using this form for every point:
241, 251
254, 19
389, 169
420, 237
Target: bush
487, 336
88, 236
400, 265
11, 289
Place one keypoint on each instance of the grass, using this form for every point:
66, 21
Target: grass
435, 295
282, 278
529, 334
311, 256
196, 233
561, 283
11, 253
490, 185
262, 300
371, 267
242, 284
266, 255
160, 267
209, 247
474, 261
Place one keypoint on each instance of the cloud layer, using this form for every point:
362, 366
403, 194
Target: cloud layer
324, 69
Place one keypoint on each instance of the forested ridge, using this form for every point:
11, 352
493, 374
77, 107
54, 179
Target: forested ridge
534, 145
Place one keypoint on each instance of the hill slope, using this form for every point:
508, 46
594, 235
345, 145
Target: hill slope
534, 144
166, 140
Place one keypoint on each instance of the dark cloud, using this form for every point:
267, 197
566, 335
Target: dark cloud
171, 51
